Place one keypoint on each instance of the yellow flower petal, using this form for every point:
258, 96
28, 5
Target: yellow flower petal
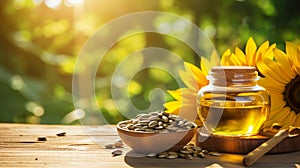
196, 74
250, 51
285, 64
271, 84
205, 65
215, 60
287, 117
277, 103
172, 107
251, 56
269, 69
240, 56
188, 94
269, 52
176, 94
226, 58
188, 79
297, 121
293, 51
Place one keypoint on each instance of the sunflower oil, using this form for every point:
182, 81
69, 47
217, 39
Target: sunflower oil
233, 104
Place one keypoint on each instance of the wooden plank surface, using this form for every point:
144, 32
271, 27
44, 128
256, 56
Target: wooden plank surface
83, 147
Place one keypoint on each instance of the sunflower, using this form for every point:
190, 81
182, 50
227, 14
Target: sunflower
251, 56
282, 79
194, 79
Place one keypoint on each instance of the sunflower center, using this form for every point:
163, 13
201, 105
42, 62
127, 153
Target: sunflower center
292, 94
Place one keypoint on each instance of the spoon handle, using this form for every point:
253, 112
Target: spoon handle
258, 152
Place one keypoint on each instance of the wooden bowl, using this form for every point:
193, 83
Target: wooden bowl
147, 142
246, 144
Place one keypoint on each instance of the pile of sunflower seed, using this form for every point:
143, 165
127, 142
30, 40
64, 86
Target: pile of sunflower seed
158, 122
188, 152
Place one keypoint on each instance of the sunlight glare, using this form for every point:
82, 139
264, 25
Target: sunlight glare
250, 129
70, 3
52, 3
37, 2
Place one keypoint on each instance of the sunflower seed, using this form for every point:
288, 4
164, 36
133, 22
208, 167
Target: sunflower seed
181, 123
165, 113
164, 119
130, 126
118, 144
159, 128
172, 156
186, 151
61, 134
109, 146
172, 153
153, 118
152, 155
145, 127
144, 122
116, 152
201, 155
197, 148
154, 113
205, 151
162, 155
182, 155
188, 157
152, 124
158, 121
42, 138
214, 154
142, 116
135, 121
138, 129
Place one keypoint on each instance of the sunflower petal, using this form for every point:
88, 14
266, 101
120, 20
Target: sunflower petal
225, 60
236, 61
240, 56
172, 107
277, 102
198, 75
250, 51
259, 53
205, 65
285, 64
188, 79
176, 94
271, 84
293, 52
270, 70
269, 52
263, 47
188, 94
215, 59
297, 121
287, 117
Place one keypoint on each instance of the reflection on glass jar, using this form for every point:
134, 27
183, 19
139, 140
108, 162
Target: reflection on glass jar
233, 104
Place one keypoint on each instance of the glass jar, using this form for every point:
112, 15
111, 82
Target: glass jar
233, 104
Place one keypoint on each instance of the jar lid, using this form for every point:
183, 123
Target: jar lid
233, 69
233, 74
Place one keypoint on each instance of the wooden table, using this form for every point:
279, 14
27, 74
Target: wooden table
82, 146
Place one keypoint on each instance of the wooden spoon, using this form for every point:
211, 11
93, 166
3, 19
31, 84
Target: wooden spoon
258, 152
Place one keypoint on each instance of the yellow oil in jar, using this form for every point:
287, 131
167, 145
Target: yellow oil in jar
233, 104
233, 120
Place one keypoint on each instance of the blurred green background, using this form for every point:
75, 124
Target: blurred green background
40, 39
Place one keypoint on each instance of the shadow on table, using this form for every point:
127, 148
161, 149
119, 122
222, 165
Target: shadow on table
141, 160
